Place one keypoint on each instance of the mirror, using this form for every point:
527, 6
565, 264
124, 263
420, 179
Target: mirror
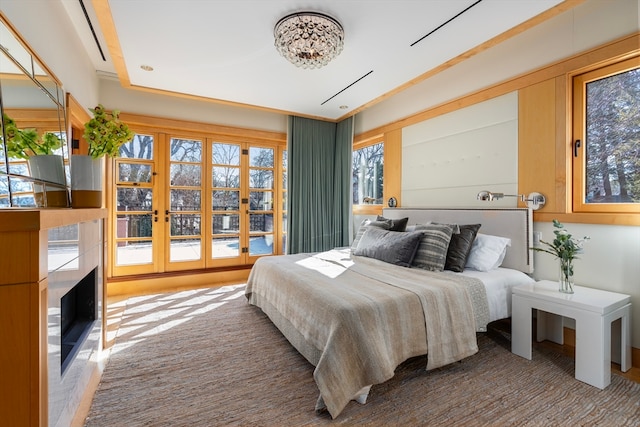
32, 107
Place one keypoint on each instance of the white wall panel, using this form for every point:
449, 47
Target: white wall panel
448, 159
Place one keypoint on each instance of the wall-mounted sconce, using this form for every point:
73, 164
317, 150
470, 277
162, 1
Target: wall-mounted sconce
534, 200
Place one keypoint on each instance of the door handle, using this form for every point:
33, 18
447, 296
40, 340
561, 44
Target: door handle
576, 145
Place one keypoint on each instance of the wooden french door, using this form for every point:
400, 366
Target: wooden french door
185, 202
134, 201
243, 195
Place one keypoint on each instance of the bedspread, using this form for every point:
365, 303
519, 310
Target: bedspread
365, 317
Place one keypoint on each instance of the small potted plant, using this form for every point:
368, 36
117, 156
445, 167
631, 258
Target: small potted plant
105, 134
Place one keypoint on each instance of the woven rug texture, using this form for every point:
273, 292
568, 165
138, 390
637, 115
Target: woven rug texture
208, 358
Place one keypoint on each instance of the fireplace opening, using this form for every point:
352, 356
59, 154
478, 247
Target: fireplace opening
77, 314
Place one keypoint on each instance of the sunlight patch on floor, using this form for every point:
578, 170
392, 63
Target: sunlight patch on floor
133, 320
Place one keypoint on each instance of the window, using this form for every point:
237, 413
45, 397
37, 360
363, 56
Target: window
606, 176
368, 174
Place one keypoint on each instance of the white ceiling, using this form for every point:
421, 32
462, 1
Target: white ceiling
223, 49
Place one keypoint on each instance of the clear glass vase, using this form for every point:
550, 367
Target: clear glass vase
566, 276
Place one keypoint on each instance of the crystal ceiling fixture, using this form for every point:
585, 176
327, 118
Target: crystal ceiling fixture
309, 39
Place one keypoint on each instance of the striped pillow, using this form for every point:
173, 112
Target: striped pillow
432, 250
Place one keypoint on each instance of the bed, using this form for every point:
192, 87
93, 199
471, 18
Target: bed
356, 313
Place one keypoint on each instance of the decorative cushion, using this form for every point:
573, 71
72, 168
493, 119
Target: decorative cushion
432, 250
460, 247
385, 225
394, 247
396, 224
455, 228
487, 252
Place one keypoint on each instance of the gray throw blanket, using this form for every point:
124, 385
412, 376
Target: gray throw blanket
356, 319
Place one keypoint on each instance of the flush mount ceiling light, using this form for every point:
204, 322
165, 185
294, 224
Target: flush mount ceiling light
309, 39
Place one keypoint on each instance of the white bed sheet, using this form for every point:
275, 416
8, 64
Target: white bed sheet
498, 284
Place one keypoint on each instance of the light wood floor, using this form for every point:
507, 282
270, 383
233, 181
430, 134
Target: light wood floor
632, 374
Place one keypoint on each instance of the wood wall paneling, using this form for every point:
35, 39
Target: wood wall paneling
393, 166
537, 142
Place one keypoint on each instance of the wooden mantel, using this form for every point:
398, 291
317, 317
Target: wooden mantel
20, 219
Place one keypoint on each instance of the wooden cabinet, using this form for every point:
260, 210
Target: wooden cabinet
24, 316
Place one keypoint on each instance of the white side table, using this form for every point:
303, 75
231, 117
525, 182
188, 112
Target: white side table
593, 310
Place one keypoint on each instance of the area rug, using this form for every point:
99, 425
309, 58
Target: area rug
208, 358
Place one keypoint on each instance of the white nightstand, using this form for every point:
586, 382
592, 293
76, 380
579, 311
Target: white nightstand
593, 310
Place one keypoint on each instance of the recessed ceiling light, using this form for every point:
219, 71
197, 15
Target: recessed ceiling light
344, 107
147, 67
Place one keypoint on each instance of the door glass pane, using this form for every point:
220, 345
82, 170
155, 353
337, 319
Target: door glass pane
130, 253
225, 247
226, 177
133, 226
185, 200
260, 178
261, 200
261, 222
225, 154
185, 175
261, 245
226, 224
134, 172
185, 225
186, 150
140, 147
134, 199
261, 157
184, 250
225, 200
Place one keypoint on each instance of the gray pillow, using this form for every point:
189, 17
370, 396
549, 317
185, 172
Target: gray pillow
432, 250
394, 247
396, 224
385, 225
460, 247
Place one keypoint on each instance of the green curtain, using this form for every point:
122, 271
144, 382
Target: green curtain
319, 184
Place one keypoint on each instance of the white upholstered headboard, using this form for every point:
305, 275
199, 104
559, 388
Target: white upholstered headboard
514, 223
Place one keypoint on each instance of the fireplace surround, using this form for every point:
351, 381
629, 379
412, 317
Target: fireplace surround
46, 254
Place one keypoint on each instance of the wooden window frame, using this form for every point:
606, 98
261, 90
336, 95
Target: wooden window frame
392, 169
578, 154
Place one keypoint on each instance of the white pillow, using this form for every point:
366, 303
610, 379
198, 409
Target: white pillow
487, 252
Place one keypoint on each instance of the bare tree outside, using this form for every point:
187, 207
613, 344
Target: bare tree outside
367, 169
613, 139
185, 178
135, 200
226, 176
